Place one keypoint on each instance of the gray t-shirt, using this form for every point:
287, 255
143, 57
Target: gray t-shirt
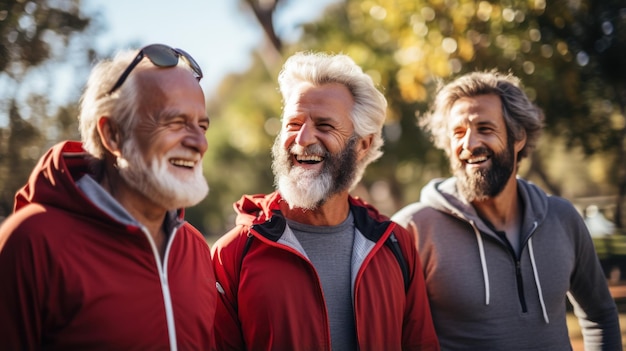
330, 250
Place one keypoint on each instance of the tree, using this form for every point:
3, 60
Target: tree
32, 34
569, 55
408, 47
244, 119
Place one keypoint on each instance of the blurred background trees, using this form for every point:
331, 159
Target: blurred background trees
34, 37
569, 54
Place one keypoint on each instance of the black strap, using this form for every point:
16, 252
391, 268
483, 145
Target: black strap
245, 249
394, 245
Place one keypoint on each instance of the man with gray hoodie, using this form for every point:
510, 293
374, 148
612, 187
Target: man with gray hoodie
499, 255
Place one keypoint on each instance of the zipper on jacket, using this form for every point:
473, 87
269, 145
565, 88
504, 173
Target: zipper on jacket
518, 266
165, 289
518, 270
516, 259
520, 285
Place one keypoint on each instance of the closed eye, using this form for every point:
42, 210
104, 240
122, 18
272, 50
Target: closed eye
293, 126
325, 126
177, 123
204, 124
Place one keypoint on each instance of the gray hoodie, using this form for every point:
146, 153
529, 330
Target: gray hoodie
483, 297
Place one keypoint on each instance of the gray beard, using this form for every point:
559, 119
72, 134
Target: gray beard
310, 189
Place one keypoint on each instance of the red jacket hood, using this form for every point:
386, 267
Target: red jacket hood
53, 181
256, 209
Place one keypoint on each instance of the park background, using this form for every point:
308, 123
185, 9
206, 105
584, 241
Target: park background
570, 55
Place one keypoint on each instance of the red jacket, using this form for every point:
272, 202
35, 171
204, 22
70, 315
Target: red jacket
74, 278
271, 298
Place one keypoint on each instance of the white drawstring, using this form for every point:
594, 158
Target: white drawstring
539, 291
483, 261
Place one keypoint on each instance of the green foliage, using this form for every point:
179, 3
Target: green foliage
32, 34
567, 54
245, 118
28, 30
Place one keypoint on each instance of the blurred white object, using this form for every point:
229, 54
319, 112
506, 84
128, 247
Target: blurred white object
597, 224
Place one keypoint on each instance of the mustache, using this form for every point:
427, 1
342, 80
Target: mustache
315, 149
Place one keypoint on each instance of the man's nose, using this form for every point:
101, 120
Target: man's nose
196, 139
306, 135
470, 140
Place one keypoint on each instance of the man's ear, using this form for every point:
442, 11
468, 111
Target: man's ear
519, 144
109, 135
364, 145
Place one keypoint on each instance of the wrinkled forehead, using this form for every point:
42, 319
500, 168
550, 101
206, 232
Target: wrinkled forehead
328, 99
476, 109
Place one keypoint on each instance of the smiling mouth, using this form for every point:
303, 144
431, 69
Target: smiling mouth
189, 164
309, 159
476, 160
479, 156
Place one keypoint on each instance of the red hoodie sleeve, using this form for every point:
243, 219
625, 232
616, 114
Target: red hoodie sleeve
226, 255
23, 283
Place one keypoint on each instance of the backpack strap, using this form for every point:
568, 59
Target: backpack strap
394, 245
245, 249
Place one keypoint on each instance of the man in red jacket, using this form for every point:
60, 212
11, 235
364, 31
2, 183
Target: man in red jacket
97, 255
310, 267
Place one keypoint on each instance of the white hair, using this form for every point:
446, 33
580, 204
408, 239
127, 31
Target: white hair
370, 105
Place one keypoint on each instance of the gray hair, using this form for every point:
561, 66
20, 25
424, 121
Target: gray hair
121, 106
521, 116
370, 105
95, 103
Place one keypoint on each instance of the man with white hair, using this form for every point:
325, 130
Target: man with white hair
310, 267
97, 255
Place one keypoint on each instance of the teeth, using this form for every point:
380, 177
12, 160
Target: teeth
309, 158
183, 163
477, 159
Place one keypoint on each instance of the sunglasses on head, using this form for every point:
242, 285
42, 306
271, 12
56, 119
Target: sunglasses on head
162, 56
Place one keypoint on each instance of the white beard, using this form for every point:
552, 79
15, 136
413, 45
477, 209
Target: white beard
305, 189
155, 181
309, 189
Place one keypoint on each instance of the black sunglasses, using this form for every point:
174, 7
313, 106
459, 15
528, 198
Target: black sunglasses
162, 56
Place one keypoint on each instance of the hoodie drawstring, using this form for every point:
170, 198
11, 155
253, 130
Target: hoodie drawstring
539, 291
483, 261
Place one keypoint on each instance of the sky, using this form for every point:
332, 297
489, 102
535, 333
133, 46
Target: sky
220, 34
